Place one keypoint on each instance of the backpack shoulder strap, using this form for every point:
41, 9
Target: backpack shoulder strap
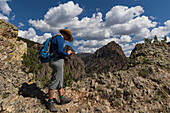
50, 43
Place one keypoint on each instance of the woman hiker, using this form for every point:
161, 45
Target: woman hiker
57, 64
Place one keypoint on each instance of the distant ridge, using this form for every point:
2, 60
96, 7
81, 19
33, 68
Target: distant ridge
29, 42
83, 55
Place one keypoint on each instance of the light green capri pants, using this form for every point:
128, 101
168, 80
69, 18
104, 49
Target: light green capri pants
57, 75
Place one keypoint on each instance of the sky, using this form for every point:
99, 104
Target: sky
93, 23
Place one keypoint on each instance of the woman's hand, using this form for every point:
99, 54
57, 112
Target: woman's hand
70, 52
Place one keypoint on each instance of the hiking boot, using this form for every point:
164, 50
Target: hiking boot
52, 107
65, 100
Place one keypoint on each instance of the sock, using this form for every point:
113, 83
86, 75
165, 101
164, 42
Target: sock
61, 97
50, 100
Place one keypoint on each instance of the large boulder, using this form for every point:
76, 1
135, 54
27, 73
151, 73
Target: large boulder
108, 58
11, 50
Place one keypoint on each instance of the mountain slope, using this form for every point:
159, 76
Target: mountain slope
108, 58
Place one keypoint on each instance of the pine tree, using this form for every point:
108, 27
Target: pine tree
147, 40
155, 39
164, 39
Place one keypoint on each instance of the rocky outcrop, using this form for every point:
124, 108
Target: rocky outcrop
155, 54
108, 58
11, 50
8, 30
12, 76
75, 65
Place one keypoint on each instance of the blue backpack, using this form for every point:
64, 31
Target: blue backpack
44, 53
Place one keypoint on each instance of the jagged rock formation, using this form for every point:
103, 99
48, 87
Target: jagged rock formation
75, 65
108, 58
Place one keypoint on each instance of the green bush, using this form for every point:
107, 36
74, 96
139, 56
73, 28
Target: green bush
164, 39
118, 94
30, 60
148, 101
132, 58
108, 86
156, 97
67, 79
155, 39
115, 104
45, 80
143, 73
99, 88
147, 40
5, 95
160, 95
146, 61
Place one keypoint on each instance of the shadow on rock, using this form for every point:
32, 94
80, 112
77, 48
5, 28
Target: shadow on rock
31, 90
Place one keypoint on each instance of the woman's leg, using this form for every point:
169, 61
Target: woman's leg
51, 93
60, 90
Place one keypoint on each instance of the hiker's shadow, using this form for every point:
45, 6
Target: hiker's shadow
31, 90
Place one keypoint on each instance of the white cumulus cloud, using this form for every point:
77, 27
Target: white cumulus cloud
86, 49
95, 44
161, 31
168, 39
122, 14
4, 7
31, 35
120, 20
57, 17
3, 17
20, 24
125, 39
62, 14
133, 27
